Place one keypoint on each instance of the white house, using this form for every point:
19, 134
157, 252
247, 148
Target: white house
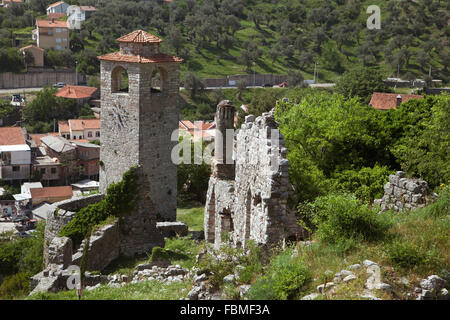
57, 7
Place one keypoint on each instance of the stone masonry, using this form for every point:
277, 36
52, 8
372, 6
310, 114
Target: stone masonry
137, 124
402, 193
247, 198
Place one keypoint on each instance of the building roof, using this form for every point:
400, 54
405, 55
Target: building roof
31, 46
82, 124
46, 161
51, 192
63, 126
42, 210
76, 92
85, 144
161, 57
51, 23
88, 8
58, 144
25, 188
10, 136
36, 137
15, 1
55, 4
140, 36
86, 184
55, 15
386, 101
187, 124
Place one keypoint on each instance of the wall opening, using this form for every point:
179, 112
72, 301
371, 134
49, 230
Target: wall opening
226, 225
119, 80
159, 81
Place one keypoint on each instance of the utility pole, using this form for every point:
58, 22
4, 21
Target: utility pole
429, 72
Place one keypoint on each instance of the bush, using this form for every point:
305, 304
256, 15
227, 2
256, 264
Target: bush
405, 255
15, 286
339, 217
286, 278
367, 184
441, 207
120, 200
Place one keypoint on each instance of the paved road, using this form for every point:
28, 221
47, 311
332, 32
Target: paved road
18, 90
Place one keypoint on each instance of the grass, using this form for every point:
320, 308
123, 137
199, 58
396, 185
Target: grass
192, 216
149, 290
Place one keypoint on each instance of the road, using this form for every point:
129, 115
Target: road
5, 92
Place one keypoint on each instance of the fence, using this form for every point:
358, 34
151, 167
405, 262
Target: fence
250, 80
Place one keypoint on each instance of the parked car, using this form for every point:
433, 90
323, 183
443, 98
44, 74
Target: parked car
17, 100
268, 85
283, 84
59, 85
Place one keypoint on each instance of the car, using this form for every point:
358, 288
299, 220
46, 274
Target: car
268, 85
59, 85
283, 84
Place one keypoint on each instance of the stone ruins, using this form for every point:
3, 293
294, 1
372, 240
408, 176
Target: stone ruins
247, 199
403, 193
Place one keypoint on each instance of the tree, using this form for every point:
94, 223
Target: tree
241, 87
361, 82
193, 84
175, 39
250, 54
295, 78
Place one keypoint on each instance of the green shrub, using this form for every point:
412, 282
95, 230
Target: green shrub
120, 200
251, 262
285, 278
441, 206
159, 253
339, 217
14, 286
405, 255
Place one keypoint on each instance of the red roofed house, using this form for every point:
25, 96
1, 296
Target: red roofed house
52, 34
57, 7
37, 53
79, 129
6, 3
50, 194
386, 101
81, 94
198, 129
15, 154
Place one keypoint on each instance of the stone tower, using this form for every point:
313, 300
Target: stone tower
138, 118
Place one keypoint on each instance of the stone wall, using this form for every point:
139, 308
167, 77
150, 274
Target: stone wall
402, 193
252, 205
60, 214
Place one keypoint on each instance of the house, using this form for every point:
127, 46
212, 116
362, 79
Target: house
57, 7
199, 130
55, 16
48, 169
79, 129
50, 194
88, 155
6, 3
37, 54
51, 34
386, 101
81, 94
15, 153
78, 14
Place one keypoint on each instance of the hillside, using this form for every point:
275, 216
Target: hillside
220, 38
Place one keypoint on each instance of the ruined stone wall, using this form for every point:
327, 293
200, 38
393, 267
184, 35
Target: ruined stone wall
402, 193
252, 205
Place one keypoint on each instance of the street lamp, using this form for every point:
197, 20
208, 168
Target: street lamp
76, 72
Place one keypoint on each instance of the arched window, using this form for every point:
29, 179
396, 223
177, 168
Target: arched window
159, 80
119, 80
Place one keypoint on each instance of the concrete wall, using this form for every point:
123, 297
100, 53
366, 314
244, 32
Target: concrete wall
40, 78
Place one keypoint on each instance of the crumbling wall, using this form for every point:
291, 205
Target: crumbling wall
247, 200
402, 193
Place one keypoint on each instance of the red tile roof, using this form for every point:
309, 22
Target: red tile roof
386, 101
55, 4
51, 192
10, 136
81, 124
139, 36
37, 137
63, 126
31, 46
76, 92
55, 15
117, 56
186, 124
51, 23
